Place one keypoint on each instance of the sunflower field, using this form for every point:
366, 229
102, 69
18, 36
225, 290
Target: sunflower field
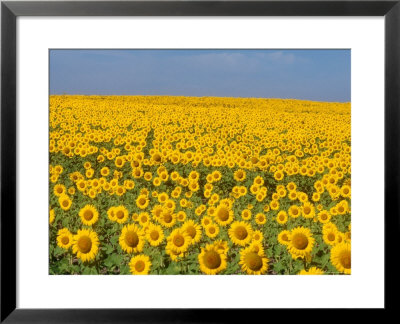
198, 185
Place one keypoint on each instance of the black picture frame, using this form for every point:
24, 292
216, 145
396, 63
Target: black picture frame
10, 10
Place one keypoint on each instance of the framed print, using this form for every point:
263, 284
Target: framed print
222, 148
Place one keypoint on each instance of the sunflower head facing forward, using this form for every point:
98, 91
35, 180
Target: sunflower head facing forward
85, 244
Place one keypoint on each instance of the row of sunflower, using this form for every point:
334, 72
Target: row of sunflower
177, 185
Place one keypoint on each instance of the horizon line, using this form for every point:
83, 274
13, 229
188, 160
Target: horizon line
137, 95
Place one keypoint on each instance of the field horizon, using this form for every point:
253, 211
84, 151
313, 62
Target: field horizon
199, 97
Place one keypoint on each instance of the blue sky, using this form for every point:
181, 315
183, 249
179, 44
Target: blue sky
320, 75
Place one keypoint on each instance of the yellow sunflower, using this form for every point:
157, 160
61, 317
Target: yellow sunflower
85, 244
131, 239
178, 240
212, 260
345, 191
143, 218
59, 189
121, 214
142, 201
308, 210
154, 235
324, 216
64, 238
282, 217
89, 215
212, 230
239, 175
301, 242
246, 214
223, 215
341, 257
140, 265
261, 219
294, 211
167, 218
252, 261
65, 202
181, 216
283, 237
240, 233
111, 214
193, 229
330, 236
257, 236
162, 197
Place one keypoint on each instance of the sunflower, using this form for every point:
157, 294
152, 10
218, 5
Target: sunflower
330, 236
308, 210
274, 204
89, 215
156, 211
257, 236
193, 176
301, 242
240, 233
154, 234
179, 240
206, 220
52, 216
157, 181
143, 218
324, 216
193, 229
292, 195
131, 239
246, 214
59, 189
147, 176
252, 261
162, 197
261, 219
282, 217
64, 238
312, 271
85, 244
291, 186
121, 214
341, 257
212, 230
345, 191
167, 218
223, 215
294, 211
142, 201
170, 205
258, 181
111, 214
181, 216
212, 260
239, 175
65, 202
216, 175
283, 237
105, 171
279, 175
140, 265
